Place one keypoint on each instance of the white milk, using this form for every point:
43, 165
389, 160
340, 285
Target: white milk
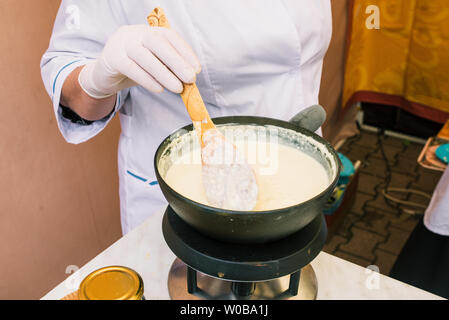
285, 175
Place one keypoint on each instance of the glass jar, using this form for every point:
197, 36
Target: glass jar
112, 283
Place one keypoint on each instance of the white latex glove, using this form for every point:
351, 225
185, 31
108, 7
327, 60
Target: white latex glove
153, 57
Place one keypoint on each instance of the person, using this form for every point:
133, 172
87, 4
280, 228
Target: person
253, 57
436, 217
424, 259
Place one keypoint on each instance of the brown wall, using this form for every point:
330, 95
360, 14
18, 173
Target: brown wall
337, 126
59, 203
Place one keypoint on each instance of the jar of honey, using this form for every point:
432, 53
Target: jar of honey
112, 283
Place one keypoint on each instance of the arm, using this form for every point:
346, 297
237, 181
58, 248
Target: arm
88, 108
88, 70
72, 46
154, 58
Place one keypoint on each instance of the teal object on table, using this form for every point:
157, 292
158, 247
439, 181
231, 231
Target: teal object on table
337, 196
347, 169
442, 153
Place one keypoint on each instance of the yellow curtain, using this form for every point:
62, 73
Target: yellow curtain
405, 62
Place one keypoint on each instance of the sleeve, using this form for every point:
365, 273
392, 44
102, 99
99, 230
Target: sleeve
80, 32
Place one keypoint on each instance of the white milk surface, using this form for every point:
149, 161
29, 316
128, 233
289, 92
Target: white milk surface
285, 175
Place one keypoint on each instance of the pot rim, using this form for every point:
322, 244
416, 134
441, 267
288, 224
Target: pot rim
230, 120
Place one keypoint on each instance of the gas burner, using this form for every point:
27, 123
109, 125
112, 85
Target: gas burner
207, 268
199, 286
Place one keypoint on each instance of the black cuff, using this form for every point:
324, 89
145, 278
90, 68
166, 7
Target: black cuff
71, 115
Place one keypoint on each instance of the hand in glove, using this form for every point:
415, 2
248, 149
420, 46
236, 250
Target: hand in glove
153, 57
311, 118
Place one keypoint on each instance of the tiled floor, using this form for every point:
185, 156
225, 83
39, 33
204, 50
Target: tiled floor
374, 231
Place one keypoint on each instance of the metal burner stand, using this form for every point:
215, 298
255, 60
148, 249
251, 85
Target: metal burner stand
210, 269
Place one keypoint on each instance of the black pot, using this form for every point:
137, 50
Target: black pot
255, 226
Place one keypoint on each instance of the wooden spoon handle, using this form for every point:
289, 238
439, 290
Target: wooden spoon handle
191, 95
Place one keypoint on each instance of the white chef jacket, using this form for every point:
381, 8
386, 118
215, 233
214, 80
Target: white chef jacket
258, 57
436, 216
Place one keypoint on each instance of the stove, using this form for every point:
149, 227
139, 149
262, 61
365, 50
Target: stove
207, 268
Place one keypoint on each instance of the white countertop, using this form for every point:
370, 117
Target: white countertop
144, 250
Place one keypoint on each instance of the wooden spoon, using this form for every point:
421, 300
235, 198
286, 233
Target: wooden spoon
228, 179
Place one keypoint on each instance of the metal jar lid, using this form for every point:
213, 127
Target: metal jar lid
112, 283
